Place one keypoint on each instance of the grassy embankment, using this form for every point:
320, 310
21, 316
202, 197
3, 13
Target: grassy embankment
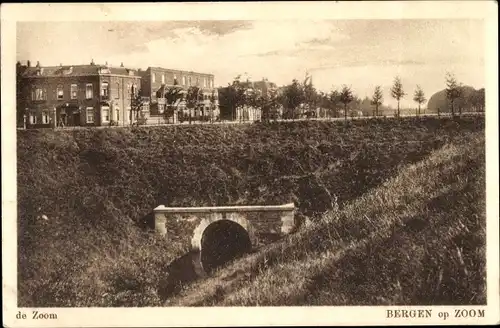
95, 186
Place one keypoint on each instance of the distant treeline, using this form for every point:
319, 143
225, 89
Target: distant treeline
470, 99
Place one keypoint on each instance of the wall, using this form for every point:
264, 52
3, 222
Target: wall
50, 85
187, 224
150, 85
118, 97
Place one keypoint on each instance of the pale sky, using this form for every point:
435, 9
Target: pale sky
358, 53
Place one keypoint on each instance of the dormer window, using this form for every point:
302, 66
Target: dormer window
66, 70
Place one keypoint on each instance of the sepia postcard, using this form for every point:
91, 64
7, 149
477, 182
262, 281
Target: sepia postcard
250, 164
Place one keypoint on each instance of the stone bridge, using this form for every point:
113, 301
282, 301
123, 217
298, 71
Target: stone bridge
214, 235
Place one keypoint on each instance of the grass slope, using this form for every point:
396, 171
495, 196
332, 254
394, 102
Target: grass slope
96, 186
417, 239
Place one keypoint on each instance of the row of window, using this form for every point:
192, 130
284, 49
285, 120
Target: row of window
40, 93
45, 118
161, 108
188, 81
205, 96
89, 116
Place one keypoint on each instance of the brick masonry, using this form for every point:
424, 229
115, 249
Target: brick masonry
188, 224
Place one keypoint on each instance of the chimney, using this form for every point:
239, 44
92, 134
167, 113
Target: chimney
60, 64
106, 63
92, 62
28, 63
37, 63
121, 65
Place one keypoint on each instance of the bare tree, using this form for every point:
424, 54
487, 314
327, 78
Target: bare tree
419, 97
137, 103
377, 98
453, 91
193, 96
345, 98
173, 96
397, 91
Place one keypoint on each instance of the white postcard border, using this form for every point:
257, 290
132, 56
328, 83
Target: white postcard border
239, 316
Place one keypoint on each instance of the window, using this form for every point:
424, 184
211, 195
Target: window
45, 117
153, 77
32, 118
117, 114
183, 80
105, 90
204, 82
105, 114
189, 80
60, 92
89, 114
74, 91
127, 113
38, 93
117, 90
163, 78
89, 92
161, 108
197, 81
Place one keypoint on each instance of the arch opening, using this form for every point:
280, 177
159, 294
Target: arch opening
221, 242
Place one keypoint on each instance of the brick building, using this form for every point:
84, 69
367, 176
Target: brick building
76, 95
156, 80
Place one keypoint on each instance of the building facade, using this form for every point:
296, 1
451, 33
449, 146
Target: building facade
77, 95
156, 81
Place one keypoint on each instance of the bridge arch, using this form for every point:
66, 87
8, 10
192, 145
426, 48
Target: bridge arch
218, 239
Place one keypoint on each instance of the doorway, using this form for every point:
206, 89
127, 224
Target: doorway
76, 119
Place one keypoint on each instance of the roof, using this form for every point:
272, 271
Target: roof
176, 70
76, 70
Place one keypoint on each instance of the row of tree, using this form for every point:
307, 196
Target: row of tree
175, 97
296, 95
296, 99
302, 99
